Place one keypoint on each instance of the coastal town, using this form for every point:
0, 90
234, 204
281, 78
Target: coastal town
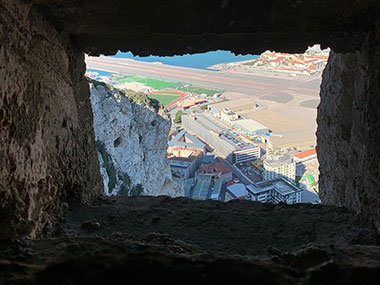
313, 61
228, 143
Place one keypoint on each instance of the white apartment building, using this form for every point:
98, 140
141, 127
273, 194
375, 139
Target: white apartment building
246, 154
228, 116
275, 191
284, 166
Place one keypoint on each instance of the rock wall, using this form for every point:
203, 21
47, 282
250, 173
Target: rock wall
132, 140
47, 152
349, 130
172, 27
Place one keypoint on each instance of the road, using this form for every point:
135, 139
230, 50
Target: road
251, 85
309, 197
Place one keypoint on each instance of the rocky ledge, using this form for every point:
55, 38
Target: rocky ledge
187, 241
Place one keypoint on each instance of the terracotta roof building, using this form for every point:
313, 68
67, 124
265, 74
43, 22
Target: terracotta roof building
217, 170
305, 155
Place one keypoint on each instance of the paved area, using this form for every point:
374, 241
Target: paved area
312, 104
250, 85
279, 97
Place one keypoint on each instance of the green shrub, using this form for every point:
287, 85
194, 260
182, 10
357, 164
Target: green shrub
108, 165
137, 190
178, 117
204, 107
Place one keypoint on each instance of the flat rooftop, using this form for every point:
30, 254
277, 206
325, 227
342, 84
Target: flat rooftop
184, 139
280, 185
281, 160
215, 167
250, 125
226, 134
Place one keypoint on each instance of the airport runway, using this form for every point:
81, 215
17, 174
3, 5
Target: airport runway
251, 85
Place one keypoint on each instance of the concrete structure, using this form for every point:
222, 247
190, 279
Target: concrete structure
250, 127
228, 116
236, 191
184, 162
216, 170
275, 191
208, 158
214, 110
185, 140
180, 167
185, 154
221, 138
283, 166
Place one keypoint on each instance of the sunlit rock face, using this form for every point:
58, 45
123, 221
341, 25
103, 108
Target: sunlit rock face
131, 139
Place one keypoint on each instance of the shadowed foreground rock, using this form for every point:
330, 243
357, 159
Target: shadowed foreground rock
208, 242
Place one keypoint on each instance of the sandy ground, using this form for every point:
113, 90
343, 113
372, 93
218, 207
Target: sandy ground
296, 124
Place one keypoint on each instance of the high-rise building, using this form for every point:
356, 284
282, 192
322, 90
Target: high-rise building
277, 167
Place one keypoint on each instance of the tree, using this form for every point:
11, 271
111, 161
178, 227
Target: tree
137, 190
178, 117
204, 107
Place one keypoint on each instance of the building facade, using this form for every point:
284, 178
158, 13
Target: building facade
211, 132
216, 170
228, 116
275, 191
277, 167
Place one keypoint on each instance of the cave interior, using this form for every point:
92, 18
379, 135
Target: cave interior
57, 227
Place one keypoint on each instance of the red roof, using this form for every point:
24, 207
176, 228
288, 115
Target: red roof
278, 59
305, 153
215, 167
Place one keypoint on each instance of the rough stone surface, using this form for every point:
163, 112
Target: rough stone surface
189, 26
47, 152
132, 142
197, 242
238, 227
47, 147
348, 130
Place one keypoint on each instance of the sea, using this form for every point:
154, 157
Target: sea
100, 72
198, 60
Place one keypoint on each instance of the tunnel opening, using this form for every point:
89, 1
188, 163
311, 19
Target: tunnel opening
262, 108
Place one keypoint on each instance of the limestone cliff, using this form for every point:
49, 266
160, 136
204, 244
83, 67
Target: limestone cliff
131, 137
